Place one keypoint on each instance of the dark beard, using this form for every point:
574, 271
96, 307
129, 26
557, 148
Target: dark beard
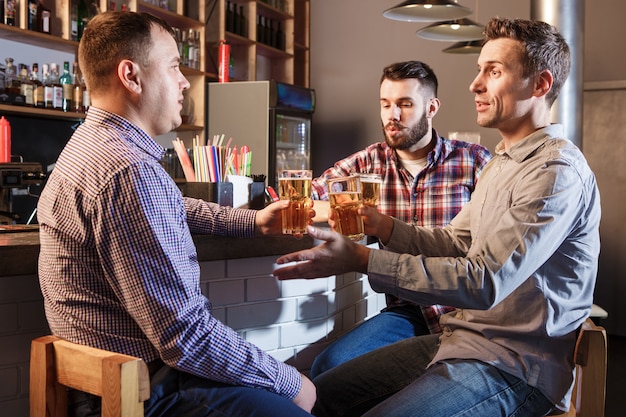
414, 135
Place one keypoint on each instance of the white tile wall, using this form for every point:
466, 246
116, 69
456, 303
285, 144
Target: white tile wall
292, 320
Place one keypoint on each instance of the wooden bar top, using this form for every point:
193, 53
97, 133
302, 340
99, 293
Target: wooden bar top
19, 251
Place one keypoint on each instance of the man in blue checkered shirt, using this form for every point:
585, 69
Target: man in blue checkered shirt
118, 267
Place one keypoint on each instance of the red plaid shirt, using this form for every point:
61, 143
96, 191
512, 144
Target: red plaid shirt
431, 199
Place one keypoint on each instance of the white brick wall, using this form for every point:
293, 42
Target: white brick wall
292, 320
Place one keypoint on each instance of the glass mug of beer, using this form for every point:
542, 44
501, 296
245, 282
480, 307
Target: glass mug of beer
370, 187
345, 199
295, 186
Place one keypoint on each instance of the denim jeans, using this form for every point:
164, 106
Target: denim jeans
393, 382
385, 328
178, 394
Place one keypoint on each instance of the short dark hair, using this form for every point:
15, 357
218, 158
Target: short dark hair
412, 69
111, 37
544, 48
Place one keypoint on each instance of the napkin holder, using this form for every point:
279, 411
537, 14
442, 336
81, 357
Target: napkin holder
216, 192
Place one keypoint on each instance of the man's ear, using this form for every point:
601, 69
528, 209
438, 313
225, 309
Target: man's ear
128, 74
543, 84
433, 107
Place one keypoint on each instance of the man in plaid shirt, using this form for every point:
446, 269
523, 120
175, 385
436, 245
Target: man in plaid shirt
426, 179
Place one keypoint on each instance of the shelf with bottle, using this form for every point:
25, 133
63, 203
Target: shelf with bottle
39, 39
262, 46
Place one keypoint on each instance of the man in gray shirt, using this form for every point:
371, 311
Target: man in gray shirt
519, 261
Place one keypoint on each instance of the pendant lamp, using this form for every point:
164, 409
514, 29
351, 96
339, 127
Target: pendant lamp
452, 31
467, 47
427, 11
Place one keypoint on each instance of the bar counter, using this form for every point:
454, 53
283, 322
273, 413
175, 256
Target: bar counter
291, 320
19, 250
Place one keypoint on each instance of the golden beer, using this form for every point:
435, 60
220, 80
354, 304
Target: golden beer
370, 187
347, 219
295, 186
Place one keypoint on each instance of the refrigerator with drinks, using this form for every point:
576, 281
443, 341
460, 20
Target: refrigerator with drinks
272, 118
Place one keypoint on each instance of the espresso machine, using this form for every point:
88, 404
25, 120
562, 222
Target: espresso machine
16, 177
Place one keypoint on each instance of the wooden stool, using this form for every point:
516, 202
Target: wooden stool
122, 381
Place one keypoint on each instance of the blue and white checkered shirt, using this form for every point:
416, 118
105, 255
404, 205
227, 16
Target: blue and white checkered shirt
118, 267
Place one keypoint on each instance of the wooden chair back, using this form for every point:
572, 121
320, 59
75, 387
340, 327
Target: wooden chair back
590, 357
121, 380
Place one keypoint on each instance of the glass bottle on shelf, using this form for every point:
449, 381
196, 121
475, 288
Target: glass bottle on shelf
82, 17
280, 37
230, 24
32, 14
243, 23
269, 32
12, 84
86, 97
77, 89
74, 20
66, 83
38, 89
57, 88
184, 59
236, 21
26, 85
10, 12
48, 88
44, 15
192, 49
260, 29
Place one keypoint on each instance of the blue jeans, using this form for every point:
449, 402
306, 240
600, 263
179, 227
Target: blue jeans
178, 394
385, 328
393, 382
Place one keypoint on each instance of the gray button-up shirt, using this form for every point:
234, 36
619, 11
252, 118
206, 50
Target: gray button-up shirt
519, 261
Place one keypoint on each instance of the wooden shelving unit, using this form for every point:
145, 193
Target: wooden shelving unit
255, 60
59, 39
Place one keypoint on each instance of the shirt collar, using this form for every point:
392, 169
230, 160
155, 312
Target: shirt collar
132, 133
527, 146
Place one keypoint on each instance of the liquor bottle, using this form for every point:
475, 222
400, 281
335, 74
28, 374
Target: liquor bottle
86, 97
236, 21
57, 88
280, 37
192, 62
77, 89
38, 88
12, 84
10, 11
243, 23
26, 85
32, 14
230, 24
44, 15
270, 33
48, 89
74, 20
260, 29
82, 17
66, 82
185, 56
